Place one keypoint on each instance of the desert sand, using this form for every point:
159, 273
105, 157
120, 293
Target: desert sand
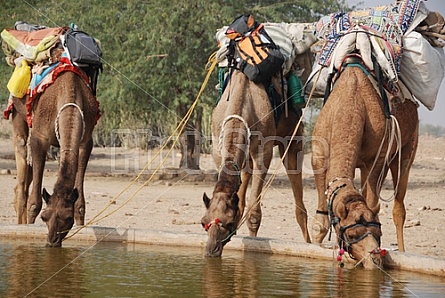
172, 201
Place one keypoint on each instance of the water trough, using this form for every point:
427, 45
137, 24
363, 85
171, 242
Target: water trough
394, 259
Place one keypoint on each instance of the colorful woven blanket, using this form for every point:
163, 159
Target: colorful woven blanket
391, 22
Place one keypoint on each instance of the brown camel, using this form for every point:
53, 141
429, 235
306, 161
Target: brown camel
64, 116
244, 133
352, 132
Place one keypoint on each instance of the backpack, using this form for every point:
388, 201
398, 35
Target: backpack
252, 51
82, 49
84, 52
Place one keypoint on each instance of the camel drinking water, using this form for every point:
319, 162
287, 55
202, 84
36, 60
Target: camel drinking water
64, 115
244, 132
352, 132
370, 119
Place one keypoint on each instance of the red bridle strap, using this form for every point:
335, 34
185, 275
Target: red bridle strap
216, 222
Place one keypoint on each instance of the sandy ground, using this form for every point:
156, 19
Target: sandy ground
173, 202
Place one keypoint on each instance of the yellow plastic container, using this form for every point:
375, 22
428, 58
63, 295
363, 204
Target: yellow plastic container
19, 82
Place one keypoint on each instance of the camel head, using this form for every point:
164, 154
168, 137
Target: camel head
220, 220
59, 214
358, 230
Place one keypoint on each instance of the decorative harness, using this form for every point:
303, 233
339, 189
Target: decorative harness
345, 243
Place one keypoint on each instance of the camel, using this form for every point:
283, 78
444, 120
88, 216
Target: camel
64, 116
352, 132
244, 133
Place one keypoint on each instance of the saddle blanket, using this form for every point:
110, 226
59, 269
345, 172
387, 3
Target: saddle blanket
41, 81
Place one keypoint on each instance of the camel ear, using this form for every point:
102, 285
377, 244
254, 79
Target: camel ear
376, 209
46, 196
74, 195
206, 200
235, 201
341, 210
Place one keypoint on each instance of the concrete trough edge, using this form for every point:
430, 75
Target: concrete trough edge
394, 259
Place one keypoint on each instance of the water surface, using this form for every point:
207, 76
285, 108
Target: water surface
119, 270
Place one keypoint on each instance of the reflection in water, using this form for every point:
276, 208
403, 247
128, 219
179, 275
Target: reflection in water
36, 271
231, 277
119, 270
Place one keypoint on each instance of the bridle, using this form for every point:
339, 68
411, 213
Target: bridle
220, 225
344, 242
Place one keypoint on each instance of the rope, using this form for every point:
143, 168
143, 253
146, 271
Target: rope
394, 136
221, 134
56, 122
210, 66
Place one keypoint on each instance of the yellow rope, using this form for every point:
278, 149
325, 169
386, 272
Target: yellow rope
210, 66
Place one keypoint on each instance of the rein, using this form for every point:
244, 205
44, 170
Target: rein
331, 194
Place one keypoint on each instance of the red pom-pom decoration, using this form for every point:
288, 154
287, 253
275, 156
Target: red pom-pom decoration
383, 252
341, 251
216, 220
339, 257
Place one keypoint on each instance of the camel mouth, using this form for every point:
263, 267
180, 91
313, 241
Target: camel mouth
216, 253
213, 255
54, 244
373, 263
56, 241
214, 249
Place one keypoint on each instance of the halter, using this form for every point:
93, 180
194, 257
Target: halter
345, 243
213, 222
218, 222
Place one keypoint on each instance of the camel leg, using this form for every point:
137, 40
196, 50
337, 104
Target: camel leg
24, 170
399, 212
79, 206
320, 226
293, 164
246, 174
261, 163
39, 150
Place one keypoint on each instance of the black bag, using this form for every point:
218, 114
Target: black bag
241, 26
82, 49
252, 51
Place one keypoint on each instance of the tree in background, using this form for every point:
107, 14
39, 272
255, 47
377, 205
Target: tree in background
154, 56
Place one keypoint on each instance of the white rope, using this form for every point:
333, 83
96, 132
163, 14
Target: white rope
56, 122
221, 134
396, 136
